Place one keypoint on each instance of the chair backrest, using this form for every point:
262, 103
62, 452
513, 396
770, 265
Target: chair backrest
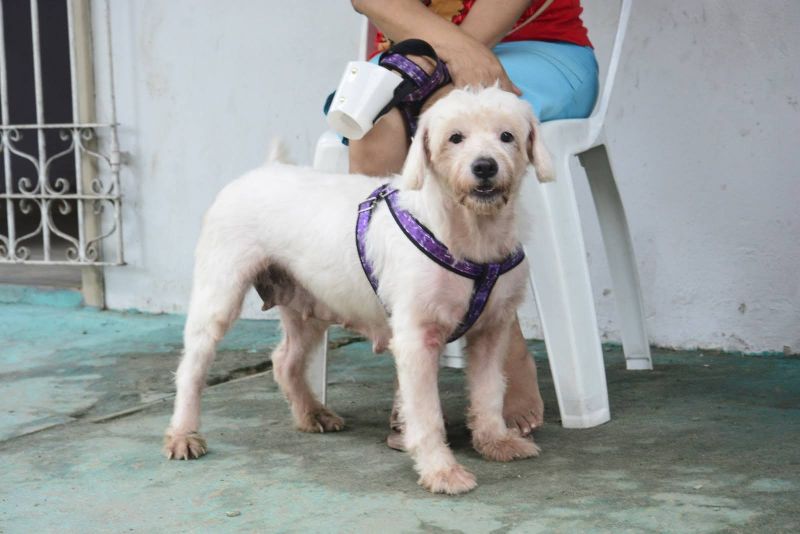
366, 44
601, 108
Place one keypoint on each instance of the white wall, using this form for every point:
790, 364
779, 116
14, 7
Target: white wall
703, 129
202, 88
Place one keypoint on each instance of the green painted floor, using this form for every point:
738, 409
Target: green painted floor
705, 443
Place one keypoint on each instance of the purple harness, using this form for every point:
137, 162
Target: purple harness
485, 275
411, 103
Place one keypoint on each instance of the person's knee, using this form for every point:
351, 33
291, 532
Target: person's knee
383, 150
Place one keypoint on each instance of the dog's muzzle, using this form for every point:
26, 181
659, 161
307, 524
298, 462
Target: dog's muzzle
485, 170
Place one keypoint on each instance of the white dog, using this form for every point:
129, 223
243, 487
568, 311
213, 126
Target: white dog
290, 232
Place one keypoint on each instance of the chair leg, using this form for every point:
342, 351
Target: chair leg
453, 355
317, 370
330, 155
560, 277
622, 262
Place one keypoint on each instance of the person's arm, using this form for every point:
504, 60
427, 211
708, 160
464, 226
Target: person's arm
408, 19
489, 21
470, 61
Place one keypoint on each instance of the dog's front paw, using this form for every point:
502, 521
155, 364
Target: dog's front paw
452, 481
506, 447
321, 420
184, 446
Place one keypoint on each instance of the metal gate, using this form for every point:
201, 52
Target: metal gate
60, 191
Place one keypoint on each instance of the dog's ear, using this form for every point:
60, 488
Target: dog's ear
538, 154
418, 159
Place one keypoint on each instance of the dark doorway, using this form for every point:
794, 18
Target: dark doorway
57, 98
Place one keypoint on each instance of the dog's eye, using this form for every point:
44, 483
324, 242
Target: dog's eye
506, 137
456, 138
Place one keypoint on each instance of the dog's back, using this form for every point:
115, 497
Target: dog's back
299, 219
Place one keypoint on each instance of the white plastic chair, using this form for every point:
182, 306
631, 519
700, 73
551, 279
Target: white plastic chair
557, 256
559, 271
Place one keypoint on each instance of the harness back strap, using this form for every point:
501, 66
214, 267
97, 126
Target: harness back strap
485, 275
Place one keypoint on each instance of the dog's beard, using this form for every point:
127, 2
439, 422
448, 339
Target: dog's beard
484, 201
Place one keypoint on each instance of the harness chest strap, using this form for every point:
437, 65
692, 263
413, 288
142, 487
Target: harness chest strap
485, 275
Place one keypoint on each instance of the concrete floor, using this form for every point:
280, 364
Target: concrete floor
705, 443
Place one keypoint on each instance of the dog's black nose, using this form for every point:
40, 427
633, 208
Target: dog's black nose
484, 168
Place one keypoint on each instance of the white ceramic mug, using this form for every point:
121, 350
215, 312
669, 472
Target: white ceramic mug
364, 91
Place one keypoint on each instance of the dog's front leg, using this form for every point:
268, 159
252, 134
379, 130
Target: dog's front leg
417, 351
490, 436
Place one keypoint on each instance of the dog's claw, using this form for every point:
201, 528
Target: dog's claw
184, 446
506, 448
452, 481
320, 420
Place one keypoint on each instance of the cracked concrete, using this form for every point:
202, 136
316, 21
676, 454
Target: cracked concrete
705, 443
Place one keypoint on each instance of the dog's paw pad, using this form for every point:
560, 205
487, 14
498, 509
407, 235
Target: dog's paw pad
320, 420
506, 448
452, 481
184, 446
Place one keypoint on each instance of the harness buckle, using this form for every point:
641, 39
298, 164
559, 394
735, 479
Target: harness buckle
382, 194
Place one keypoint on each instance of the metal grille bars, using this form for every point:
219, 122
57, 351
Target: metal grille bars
92, 194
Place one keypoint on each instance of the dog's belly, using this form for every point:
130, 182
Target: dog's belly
277, 286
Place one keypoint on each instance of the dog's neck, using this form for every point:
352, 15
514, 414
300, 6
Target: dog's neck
480, 238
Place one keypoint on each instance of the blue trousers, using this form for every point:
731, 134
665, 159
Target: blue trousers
558, 79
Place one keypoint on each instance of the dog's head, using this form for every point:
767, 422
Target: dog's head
477, 144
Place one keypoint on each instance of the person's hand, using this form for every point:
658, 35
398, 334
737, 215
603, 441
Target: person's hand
472, 63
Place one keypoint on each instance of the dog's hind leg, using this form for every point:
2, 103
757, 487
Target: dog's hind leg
300, 337
490, 436
218, 290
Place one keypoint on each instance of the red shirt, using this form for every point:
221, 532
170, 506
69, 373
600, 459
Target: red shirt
561, 21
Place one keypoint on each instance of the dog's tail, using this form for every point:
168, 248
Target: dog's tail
278, 153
